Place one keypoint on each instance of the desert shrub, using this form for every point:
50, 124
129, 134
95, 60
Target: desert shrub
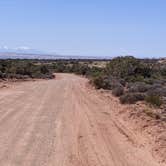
118, 91
150, 81
122, 82
59, 67
106, 82
22, 69
98, 82
138, 87
160, 81
44, 69
1, 74
134, 78
129, 68
157, 90
131, 98
112, 83
95, 72
19, 76
154, 100
163, 72
72, 67
83, 69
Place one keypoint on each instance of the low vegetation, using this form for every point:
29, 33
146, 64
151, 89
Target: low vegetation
134, 80
23, 69
128, 78
118, 91
154, 100
131, 98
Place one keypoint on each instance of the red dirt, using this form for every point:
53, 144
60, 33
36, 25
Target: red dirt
63, 122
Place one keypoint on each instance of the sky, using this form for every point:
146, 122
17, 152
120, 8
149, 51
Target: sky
85, 27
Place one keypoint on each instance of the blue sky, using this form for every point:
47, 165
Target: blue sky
85, 27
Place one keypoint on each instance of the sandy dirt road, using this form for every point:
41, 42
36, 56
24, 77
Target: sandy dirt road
62, 123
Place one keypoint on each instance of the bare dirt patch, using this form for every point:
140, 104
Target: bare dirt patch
62, 122
144, 121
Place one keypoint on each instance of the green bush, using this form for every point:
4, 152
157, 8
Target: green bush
98, 82
154, 100
44, 69
129, 68
138, 87
163, 72
118, 91
131, 98
23, 69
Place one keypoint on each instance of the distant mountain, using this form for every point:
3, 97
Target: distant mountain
16, 55
28, 53
23, 50
13, 55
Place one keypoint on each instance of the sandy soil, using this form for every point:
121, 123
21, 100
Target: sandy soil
63, 122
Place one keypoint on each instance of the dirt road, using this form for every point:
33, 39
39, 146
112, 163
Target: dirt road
62, 123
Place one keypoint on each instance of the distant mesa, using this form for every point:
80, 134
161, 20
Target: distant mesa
26, 53
22, 49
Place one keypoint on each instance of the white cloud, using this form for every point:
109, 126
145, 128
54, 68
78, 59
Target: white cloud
17, 48
23, 48
5, 47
